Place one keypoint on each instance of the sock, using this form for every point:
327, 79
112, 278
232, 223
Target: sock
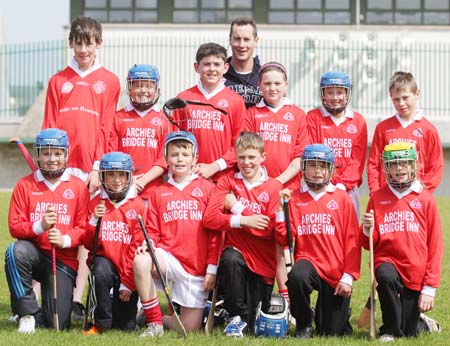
152, 311
285, 295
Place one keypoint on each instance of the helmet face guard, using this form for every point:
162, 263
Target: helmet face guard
335, 79
141, 73
400, 164
116, 162
318, 153
274, 322
51, 138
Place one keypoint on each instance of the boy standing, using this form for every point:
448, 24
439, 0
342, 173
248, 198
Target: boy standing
408, 125
407, 240
187, 251
216, 132
118, 206
47, 213
327, 251
82, 100
244, 206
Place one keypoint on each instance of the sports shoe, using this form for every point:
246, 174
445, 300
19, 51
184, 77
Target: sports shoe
430, 325
13, 318
236, 327
27, 325
305, 333
153, 330
77, 311
386, 338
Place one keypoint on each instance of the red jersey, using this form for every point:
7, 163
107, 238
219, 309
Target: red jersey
348, 139
425, 137
408, 234
215, 132
284, 132
175, 214
141, 135
82, 104
32, 195
325, 232
258, 247
120, 233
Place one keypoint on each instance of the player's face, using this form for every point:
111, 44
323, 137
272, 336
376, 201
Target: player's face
143, 90
243, 42
335, 97
405, 102
211, 70
116, 181
180, 159
273, 87
84, 53
52, 159
316, 171
249, 163
400, 171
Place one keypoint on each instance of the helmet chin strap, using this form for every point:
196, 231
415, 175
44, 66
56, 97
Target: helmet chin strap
143, 106
335, 111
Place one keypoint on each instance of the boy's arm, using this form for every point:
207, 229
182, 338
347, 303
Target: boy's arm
20, 226
249, 121
81, 211
215, 217
51, 106
352, 246
434, 162
374, 169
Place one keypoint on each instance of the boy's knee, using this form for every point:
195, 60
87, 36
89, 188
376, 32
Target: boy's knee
386, 273
141, 263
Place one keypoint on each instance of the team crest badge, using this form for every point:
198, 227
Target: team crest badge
156, 121
197, 192
288, 116
416, 204
131, 214
68, 194
223, 103
99, 87
66, 88
332, 205
352, 129
418, 132
263, 197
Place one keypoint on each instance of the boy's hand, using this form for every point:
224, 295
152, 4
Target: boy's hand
49, 218
255, 221
93, 181
426, 302
100, 210
140, 182
124, 295
230, 200
343, 290
210, 282
368, 220
55, 237
284, 194
207, 170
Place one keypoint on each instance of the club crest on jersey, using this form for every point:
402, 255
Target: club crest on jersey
418, 132
156, 121
332, 205
99, 87
222, 103
416, 204
288, 116
68, 194
263, 197
131, 214
197, 192
352, 129
66, 88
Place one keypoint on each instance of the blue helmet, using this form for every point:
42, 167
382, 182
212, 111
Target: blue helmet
143, 72
335, 79
116, 161
51, 138
181, 135
318, 153
274, 322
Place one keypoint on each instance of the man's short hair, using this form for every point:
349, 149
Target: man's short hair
83, 29
209, 49
245, 20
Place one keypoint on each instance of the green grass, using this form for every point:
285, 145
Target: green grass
441, 312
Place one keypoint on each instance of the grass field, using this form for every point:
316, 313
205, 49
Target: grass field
9, 336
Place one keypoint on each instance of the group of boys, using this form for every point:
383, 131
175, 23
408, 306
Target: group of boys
209, 219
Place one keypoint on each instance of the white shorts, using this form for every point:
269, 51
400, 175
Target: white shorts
187, 290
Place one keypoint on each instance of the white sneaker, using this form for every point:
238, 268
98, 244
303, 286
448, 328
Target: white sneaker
153, 330
236, 327
432, 325
27, 325
386, 338
13, 318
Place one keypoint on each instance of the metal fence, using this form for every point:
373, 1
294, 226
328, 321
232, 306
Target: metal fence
26, 68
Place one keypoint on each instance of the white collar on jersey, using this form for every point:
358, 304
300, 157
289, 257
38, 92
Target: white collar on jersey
74, 66
284, 102
263, 178
132, 193
416, 186
349, 113
40, 178
213, 93
181, 186
305, 188
129, 107
418, 116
